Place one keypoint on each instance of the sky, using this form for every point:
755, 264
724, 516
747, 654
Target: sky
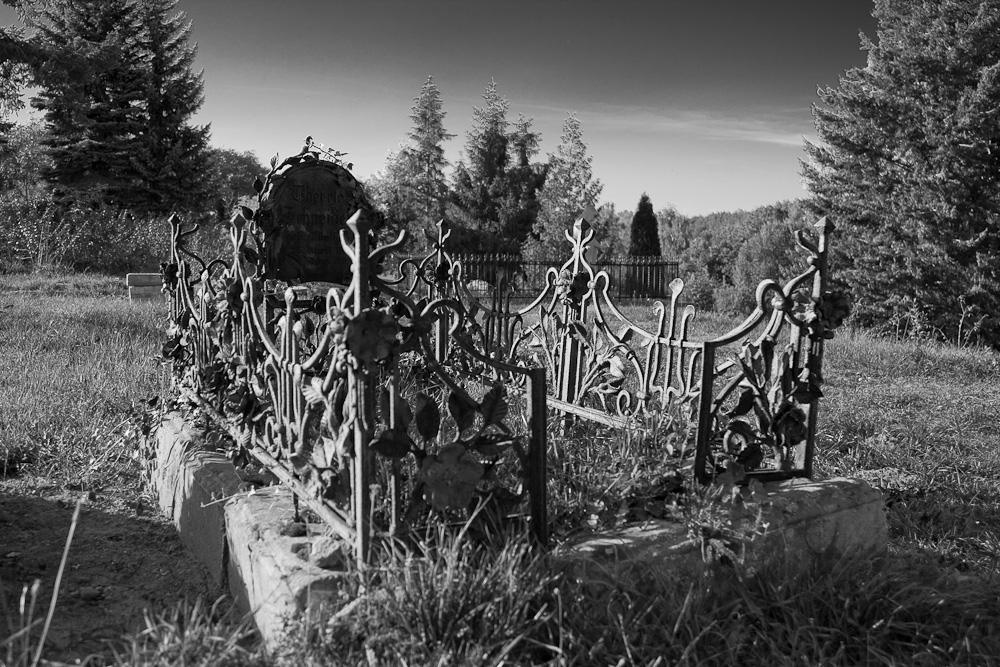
701, 104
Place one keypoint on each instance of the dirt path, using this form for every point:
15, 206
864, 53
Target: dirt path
125, 558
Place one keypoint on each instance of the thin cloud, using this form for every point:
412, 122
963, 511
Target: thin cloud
782, 127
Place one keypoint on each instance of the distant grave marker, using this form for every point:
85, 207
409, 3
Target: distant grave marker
144, 286
305, 204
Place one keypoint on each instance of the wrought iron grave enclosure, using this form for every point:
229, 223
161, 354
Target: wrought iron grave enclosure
385, 401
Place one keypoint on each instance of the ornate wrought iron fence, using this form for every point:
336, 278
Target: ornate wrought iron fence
347, 403
755, 411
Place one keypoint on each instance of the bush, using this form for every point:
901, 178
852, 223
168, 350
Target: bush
699, 290
85, 235
770, 253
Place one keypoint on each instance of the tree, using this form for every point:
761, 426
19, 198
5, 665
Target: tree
171, 154
390, 190
410, 189
425, 154
230, 178
22, 160
479, 182
909, 167
91, 95
486, 142
117, 92
569, 188
524, 141
644, 237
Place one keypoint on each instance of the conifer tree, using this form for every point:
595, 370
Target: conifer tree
92, 96
519, 203
425, 154
644, 238
486, 142
909, 168
480, 181
171, 154
410, 189
569, 188
117, 92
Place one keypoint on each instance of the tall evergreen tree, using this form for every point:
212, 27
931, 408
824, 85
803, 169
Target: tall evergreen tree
425, 154
171, 154
524, 141
91, 94
117, 92
909, 167
519, 206
410, 189
644, 237
480, 183
569, 188
486, 142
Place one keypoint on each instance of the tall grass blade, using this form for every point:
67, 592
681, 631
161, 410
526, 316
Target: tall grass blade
55, 588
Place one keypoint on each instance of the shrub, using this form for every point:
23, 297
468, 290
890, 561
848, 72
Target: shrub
85, 235
699, 290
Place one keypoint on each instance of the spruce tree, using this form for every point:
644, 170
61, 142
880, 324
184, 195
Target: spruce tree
117, 91
92, 96
480, 184
519, 203
425, 154
171, 154
644, 238
569, 189
909, 168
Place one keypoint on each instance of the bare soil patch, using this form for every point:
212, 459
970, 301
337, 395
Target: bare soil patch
125, 559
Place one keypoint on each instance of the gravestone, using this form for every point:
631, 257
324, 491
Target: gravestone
303, 206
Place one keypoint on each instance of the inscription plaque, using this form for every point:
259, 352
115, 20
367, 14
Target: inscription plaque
306, 205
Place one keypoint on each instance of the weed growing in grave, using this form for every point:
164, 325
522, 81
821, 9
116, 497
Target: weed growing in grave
191, 634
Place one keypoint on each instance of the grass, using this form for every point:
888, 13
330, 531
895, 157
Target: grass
76, 358
917, 419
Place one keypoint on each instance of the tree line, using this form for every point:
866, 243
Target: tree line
499, 198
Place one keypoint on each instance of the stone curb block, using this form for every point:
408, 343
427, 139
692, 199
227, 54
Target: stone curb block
806, 521
813, 520
191, 485
237, 534
270, 573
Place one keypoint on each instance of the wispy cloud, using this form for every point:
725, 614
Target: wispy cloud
778, 126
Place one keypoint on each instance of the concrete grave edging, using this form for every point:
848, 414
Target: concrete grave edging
236, 531
242, 534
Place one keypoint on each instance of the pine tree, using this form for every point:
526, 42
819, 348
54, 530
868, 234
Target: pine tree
171, 154
117, 92
909, 168
425, 154
644, 238
480, 184
569, 188
92, 96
